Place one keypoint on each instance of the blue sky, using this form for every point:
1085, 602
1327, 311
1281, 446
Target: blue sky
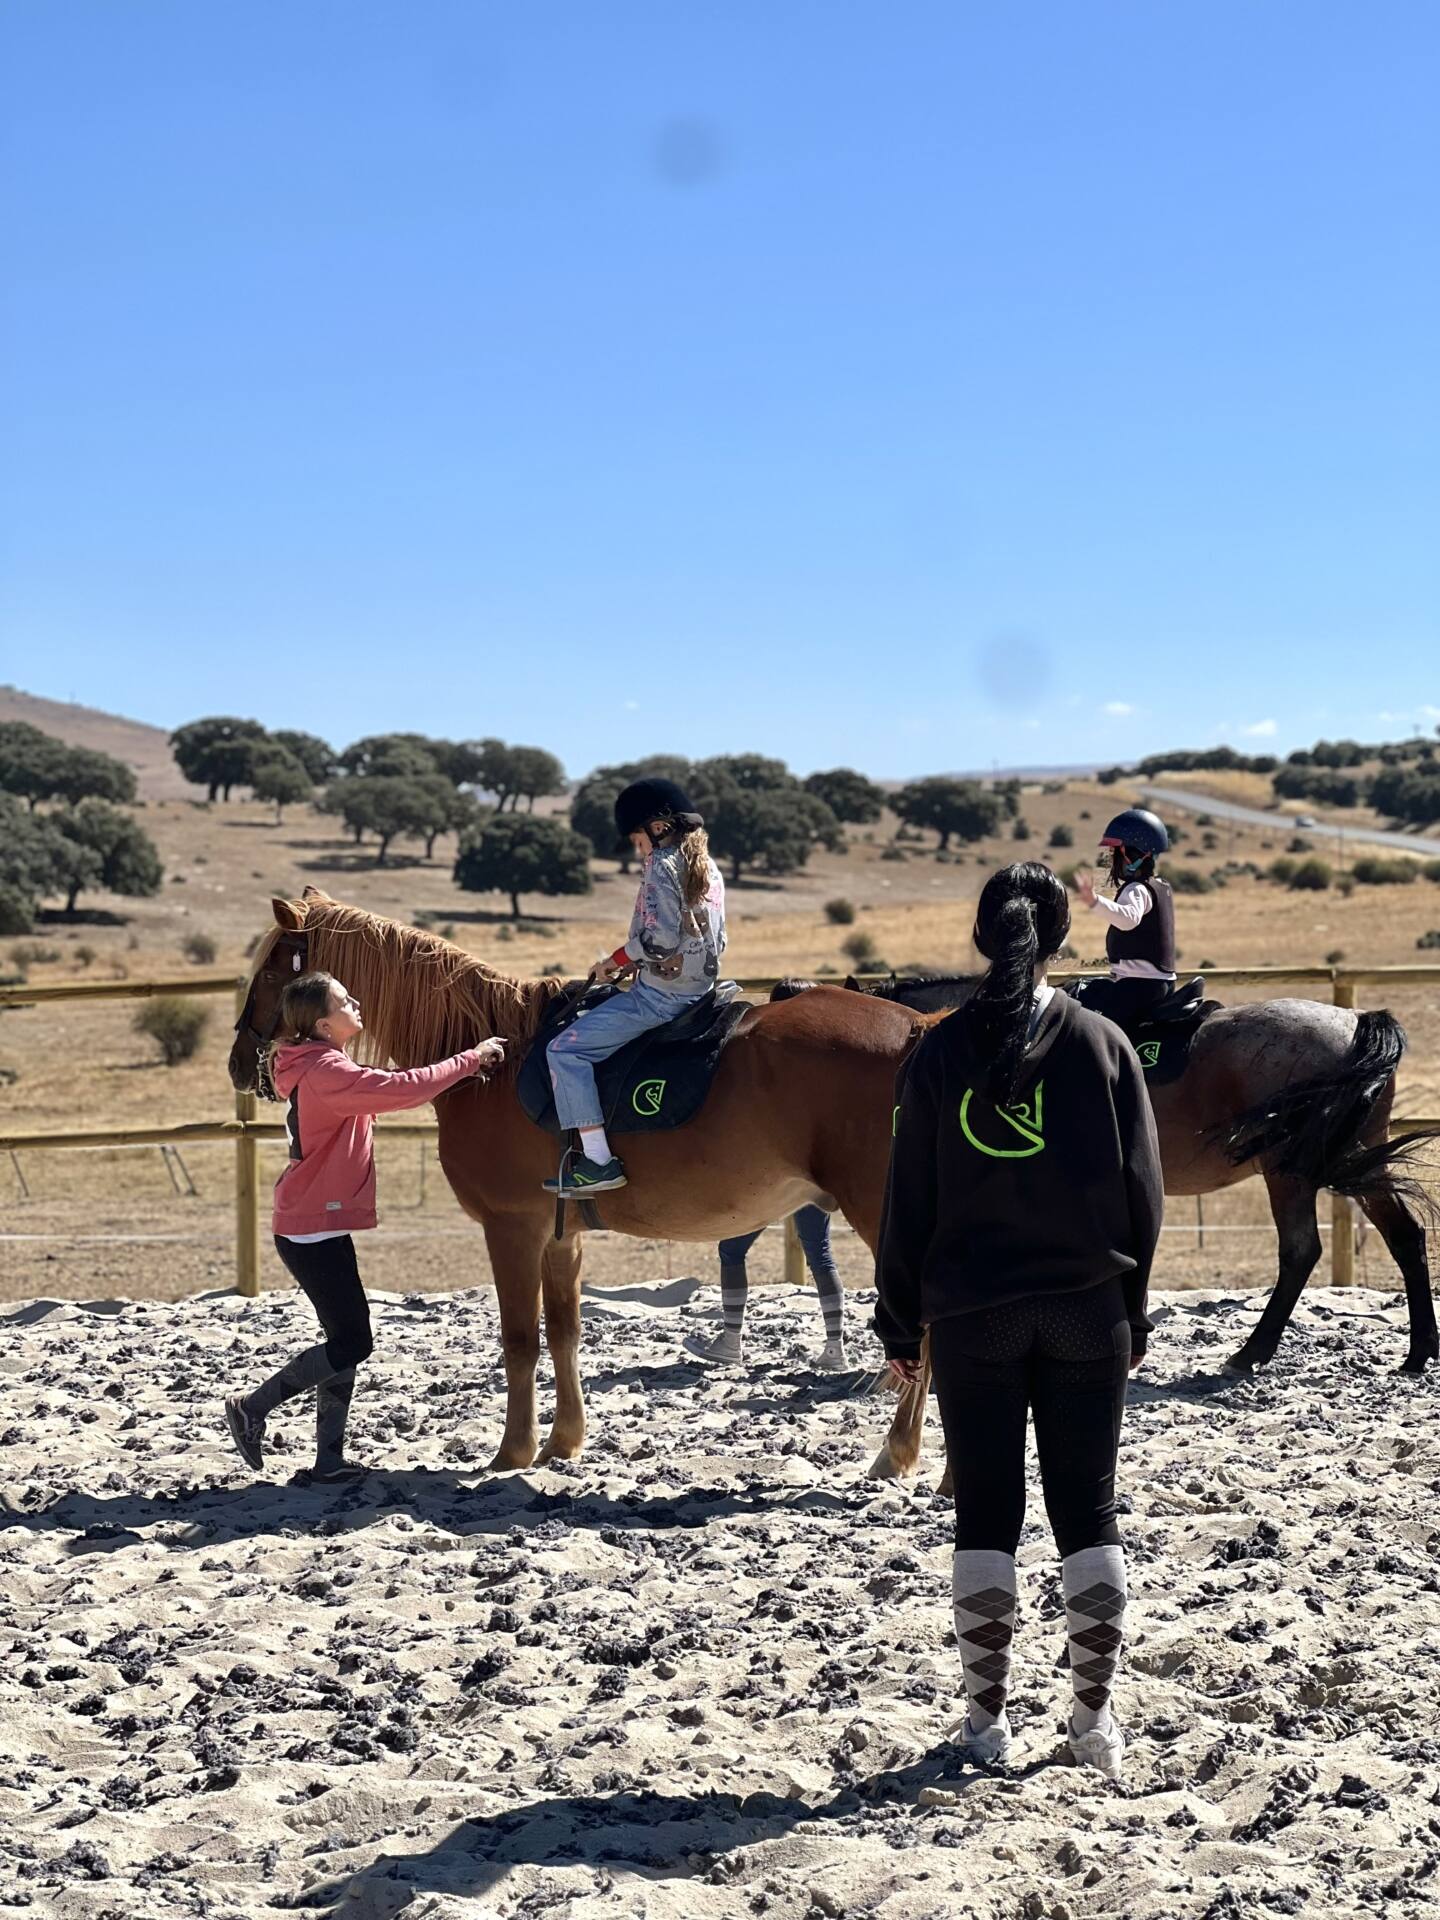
914, 386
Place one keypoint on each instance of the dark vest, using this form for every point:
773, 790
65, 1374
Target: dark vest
1154, 938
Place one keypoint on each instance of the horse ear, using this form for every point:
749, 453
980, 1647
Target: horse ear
316, 894
288, 916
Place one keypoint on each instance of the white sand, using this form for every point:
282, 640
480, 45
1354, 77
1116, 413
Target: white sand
708, 1670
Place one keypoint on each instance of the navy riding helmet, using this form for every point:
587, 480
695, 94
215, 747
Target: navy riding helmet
1139, 830
656, 799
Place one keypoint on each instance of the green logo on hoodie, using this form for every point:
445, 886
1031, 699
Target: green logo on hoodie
1026, 1119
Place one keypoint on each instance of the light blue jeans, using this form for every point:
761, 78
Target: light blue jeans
572, 1055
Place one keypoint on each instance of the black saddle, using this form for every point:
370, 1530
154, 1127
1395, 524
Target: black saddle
1164, 1038
657, 1081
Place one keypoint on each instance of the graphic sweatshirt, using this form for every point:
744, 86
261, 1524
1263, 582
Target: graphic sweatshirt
663, 928
987, 1204
329, 1185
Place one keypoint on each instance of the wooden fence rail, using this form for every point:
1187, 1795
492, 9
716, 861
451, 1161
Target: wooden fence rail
246, 1131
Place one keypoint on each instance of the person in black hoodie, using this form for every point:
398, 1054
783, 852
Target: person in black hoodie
1021, 1216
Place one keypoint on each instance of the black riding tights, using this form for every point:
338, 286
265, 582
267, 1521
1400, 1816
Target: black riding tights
327, 1274
1066, 1358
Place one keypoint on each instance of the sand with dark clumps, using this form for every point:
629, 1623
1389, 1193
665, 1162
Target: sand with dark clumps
707, 1670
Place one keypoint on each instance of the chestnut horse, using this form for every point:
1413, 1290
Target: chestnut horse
800, 1111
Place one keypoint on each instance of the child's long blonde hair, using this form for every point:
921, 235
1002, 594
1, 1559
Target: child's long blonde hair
696, 866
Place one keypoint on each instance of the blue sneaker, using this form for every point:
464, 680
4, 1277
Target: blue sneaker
585, 1176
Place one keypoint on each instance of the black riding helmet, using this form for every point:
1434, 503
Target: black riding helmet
1137, 830
656, 799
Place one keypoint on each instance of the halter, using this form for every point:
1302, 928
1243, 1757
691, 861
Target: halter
286, 959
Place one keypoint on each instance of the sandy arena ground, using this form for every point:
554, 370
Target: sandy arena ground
708, 1669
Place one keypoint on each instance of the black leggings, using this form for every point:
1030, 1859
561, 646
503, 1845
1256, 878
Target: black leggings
1064, 1356
327, 1274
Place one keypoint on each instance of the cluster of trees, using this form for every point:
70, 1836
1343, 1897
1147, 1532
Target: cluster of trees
391, 785
63, 828
1191, 760
67, 851
1321, 784
36, 767
1412, 796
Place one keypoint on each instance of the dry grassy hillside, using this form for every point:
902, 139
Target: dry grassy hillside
78, 1065
145, 748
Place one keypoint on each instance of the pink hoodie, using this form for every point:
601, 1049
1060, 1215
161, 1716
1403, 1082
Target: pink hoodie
329, 1185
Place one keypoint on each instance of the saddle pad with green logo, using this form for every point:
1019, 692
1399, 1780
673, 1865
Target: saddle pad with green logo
1164, 1049
657, 1081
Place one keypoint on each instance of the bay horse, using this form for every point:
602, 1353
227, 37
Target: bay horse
1295, 1090
799, 1112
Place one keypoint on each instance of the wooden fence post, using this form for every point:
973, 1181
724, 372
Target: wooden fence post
1342, 1215
794, 1255
247, 1189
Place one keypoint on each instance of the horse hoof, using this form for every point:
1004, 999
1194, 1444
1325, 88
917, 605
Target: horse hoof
559, 1450
1241, 1365
1416, 1361
509, 1460
885, 1466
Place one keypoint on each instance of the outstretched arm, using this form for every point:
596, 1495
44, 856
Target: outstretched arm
352, 1089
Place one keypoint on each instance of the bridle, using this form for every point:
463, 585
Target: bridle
286, 960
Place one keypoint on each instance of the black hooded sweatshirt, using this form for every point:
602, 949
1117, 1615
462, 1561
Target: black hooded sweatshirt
1059, 1191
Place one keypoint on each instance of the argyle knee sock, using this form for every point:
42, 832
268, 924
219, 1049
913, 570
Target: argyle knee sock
1094, 1586
984, 1592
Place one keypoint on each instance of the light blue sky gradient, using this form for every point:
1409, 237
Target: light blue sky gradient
914, 386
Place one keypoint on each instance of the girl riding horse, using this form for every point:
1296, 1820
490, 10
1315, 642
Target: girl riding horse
676, 938
1140, 935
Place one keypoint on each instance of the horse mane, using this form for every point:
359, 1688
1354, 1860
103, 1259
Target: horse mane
423, 998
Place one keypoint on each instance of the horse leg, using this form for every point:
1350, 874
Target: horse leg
1405, 1237
516, 1246
560, 1277
1292, 1202
899, 1456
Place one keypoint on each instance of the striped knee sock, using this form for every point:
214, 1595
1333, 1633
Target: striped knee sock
734, 1290
1094, 1584
984, 1589
832, 1298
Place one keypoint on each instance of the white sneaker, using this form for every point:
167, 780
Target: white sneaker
725, 1350
990, 1746
1102, 1747
832, 1357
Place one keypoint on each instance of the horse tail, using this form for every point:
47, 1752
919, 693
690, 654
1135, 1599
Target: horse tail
1313, 1130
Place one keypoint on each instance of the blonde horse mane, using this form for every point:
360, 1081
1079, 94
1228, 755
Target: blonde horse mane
422, 998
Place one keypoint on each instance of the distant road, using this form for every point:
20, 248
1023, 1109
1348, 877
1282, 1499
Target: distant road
1164, 797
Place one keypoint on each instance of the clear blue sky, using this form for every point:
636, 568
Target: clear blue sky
893, 384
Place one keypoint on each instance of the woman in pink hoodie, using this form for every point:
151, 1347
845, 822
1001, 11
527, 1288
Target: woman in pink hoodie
326, 1193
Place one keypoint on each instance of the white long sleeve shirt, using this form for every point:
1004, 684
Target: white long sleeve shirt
1126, 911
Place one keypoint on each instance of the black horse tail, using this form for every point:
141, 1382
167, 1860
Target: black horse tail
1312, 1130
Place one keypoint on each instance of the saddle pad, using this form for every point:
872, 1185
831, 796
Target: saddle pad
1164, 1048
657, 1081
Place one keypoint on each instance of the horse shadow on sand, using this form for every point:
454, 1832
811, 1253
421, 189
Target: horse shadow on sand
451, 1501
662, 1836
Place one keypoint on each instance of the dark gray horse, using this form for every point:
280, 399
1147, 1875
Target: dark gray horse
1295, 1091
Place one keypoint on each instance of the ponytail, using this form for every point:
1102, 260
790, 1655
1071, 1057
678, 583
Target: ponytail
695, 866
1022, 919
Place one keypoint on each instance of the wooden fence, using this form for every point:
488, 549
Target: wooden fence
247, 1131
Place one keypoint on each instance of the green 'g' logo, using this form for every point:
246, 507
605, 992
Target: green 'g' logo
647, 1097
1026, 1118
1149, 1052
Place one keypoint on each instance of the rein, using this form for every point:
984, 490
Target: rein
295, 949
